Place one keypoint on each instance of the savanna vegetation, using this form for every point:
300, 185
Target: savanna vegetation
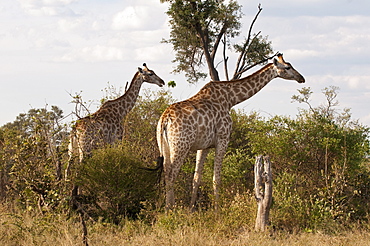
320, 167
320, 161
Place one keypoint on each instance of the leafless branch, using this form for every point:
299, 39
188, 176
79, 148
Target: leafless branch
252, 66
225, 59
77, 100
218, 39
247, 42
245, 55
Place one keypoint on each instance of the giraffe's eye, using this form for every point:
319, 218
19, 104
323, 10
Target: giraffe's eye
287, 68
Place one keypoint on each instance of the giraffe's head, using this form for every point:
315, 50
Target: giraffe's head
150, 76
286, 71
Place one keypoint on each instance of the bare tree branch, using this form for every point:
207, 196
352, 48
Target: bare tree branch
225, 59
252, 66
247, 42
245, 54
219, 37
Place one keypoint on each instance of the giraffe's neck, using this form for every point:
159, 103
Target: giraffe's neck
123, 104
246, 87
240, 90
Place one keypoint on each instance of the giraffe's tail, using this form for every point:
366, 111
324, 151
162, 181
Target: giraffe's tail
162, 145
161, 139
159, 166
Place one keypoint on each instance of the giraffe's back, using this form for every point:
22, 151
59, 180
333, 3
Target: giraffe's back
196, 123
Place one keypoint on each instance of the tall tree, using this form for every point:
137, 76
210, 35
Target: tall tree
200, 28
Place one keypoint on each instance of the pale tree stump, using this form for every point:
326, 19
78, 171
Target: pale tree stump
263, 191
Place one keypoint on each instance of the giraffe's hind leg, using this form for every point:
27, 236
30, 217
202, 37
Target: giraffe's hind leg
172, 167
201, 157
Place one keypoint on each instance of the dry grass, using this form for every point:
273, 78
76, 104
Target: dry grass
190, 237
20, 229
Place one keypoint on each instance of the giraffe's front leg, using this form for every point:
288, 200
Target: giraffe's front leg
219, 156
201, 157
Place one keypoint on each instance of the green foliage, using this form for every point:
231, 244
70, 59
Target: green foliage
141, 123
113, 185
318, 161
31, 158
195, 26
290, 208
171, 84
237, 176
197, 30
254, 51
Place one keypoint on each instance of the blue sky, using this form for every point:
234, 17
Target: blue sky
51, 48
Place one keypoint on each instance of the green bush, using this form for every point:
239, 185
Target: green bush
113, 185
31, 150
141, 123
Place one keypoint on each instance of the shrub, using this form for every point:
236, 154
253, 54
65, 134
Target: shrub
30, 159
113, 185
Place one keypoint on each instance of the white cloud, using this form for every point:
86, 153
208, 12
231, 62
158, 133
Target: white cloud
39, 3
353, 84
144, 16
156, 53
295, 54
324, 33
130, 18
68, 25
47, 7
97, 53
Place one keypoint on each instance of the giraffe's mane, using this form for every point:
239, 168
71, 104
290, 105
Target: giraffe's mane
113, 100
105, 104
267, 66
217, 83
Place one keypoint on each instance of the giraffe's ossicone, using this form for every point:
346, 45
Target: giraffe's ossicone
203, 122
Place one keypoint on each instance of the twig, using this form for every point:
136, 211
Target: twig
252, 66
225, 59
246, 44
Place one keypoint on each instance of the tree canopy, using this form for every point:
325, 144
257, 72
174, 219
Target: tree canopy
200, 28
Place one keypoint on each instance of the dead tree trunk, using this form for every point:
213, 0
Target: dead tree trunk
263, 191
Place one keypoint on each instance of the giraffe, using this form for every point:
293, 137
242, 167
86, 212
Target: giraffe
203, 122
105, 125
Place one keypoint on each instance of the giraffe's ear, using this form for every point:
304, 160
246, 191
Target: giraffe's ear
140, 70
280, 57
